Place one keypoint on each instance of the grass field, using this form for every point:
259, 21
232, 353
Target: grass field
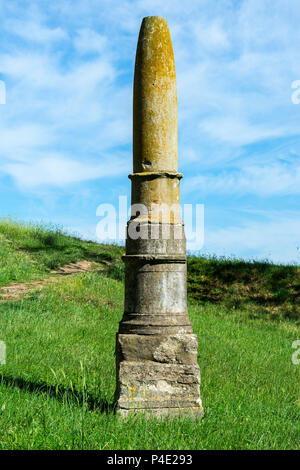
56, 389
29, 252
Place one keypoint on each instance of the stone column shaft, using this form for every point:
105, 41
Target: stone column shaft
156, 351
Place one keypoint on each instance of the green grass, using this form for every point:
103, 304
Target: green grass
28, 252
56, 389
259, 288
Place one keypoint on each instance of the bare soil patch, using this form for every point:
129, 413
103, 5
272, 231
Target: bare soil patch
18, 290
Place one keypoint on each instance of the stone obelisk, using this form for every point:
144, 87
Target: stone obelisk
156, 351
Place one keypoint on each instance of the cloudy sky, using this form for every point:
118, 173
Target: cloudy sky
65, 130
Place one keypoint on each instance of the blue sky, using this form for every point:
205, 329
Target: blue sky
65, 130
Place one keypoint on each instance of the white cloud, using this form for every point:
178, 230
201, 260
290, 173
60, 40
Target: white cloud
87, 41
17, 142
33, 31
235, 131
57, 107
276, 238
273, 180
59, 171
210, 36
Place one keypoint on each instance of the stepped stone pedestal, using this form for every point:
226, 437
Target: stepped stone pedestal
156, 350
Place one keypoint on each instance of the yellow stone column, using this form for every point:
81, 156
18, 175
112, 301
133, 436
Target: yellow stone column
156, 350
155, 100
155, 139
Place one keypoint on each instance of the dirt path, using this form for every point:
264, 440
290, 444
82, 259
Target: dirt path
18, 290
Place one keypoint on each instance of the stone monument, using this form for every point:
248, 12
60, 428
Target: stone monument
156, 350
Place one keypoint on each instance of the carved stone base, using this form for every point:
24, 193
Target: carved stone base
165, 381
156, 350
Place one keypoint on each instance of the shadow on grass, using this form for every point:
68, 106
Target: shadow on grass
60, 393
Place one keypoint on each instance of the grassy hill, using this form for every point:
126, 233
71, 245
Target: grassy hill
56, 389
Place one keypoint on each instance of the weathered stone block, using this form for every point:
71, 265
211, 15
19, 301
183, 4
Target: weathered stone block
155, 385
172, 349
